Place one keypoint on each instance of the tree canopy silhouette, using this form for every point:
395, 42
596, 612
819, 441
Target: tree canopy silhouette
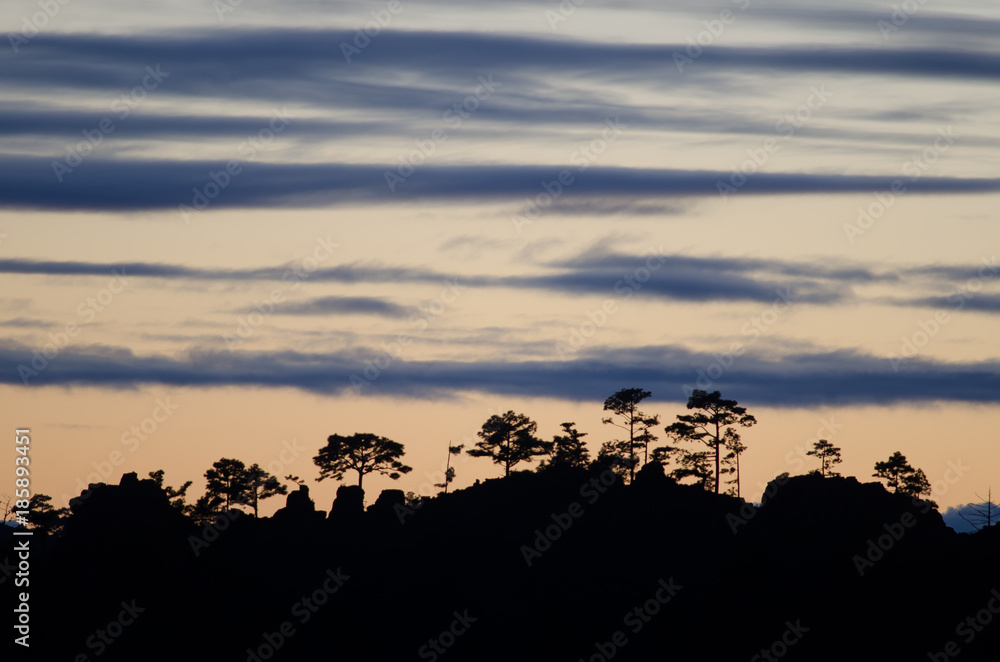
712, 425
230, 483
43, 516
625, 404
509, 440
828, 455
902, 477
227, 480
362, 452
176, 496
568, 449
261, 485
449, 471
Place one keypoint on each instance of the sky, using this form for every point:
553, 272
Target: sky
234, 228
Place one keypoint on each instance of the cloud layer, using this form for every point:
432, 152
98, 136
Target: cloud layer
837, 378
129, 185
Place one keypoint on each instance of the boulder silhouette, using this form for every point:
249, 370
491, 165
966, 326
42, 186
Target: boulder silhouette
349, 506
385, 507
298, 507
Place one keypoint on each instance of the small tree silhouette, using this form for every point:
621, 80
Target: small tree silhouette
206, 508
828, 455
362, 452
983, 514
711, 425
449, 471
261, 485
736, 449
176, 496
43, 516
227, 480
625, 404
509, 440
688, 464
5, 507
901, 477
568, 449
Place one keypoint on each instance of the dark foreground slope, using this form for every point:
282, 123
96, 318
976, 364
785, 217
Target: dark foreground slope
553, 566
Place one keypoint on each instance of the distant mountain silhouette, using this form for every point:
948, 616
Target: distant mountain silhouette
563, 564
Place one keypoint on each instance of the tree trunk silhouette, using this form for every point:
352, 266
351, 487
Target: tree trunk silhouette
718, 451
737, 475
631, 446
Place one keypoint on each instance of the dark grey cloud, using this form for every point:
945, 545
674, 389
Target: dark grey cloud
600, 271
358, 273
679, 284
611, 207
248, 62
967, 300
608, 259
111, 185
668, 277
493, 120
27, 323
837, 378
343, 306
987, 269
69, 124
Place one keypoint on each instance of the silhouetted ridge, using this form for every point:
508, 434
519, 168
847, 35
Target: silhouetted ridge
536, 566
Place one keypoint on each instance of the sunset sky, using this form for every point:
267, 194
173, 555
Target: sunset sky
239, 227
